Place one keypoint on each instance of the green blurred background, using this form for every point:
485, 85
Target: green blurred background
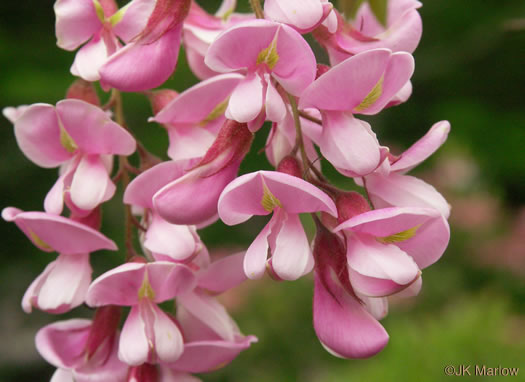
469, 70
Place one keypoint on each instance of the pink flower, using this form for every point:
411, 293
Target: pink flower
149, 334
345, 325
150, 57
191, 198
389, 186
271, 54
362, 84
82, 138
83, 350
194, 117
165, 241
56, 233
303, 15
201, 28
211, 337
63, 284
100, 24
262, 193
401, 34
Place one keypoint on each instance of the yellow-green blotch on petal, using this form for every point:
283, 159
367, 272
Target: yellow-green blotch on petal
269, 201
67, 142
269, 55
39, 242
400, 236
100, 11
372, 97
146, 291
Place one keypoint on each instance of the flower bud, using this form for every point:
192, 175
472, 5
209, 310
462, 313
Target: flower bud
291, 166
84, 91
160, 98
350, 204
321, 69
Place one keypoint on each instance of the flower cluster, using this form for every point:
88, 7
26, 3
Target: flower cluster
255, 68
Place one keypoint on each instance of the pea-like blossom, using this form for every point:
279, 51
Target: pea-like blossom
362, 84
286, 196
401, 33
194, 117
303, 15
79, 137
269, 54
149, 334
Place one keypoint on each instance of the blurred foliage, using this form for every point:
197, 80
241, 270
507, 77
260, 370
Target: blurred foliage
469, 70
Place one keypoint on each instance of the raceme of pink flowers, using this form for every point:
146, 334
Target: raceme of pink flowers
259, 76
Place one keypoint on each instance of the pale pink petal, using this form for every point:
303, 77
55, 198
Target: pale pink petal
331, 22
349, 144
183, 202
205, 356
62, 375
62, 343
54, 201
397, 74
37, 133
92, 129
246, 101
118, 286
376, 306
373, 287
196, 62
141, 189
342, 325
90, 58
91, 184
388, 221
430, 242
223, 274
76, 22
208, 310
50, 232
302, 14
187, 142
66, 284
291, 254
405, 191
370, 258
275, 106
134, 18
12, 113
296, 67
423, 148
347, 84
196, 103
31, 294
134, 346
143, 65
255, 258
243, 197
412, 290
168, 339
175, 241
401, 96
239, 46
169, 279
